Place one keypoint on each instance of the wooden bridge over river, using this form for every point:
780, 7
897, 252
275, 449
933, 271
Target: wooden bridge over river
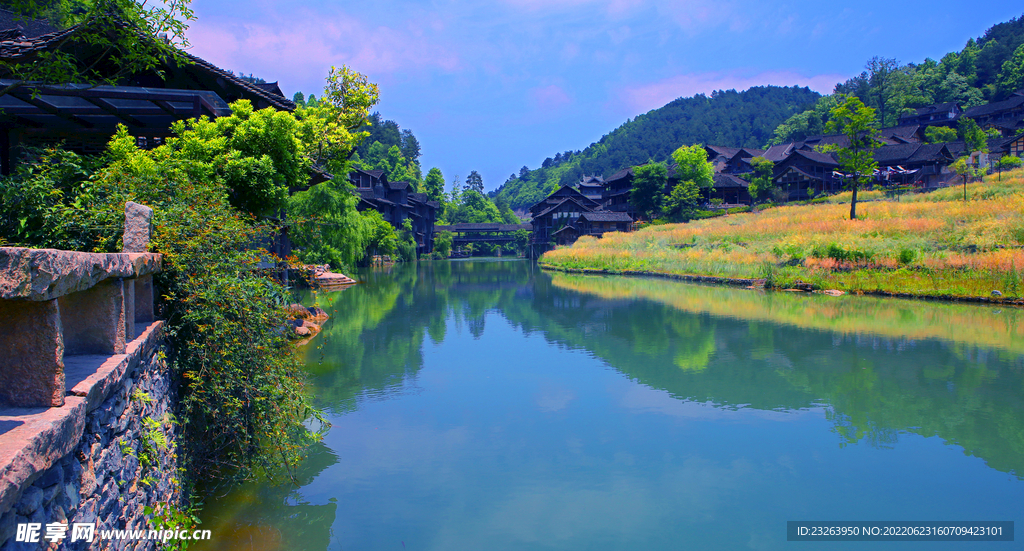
464, 234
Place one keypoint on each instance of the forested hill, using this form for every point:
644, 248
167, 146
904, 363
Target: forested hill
725, 118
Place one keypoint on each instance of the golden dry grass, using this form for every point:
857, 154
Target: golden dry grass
924, 244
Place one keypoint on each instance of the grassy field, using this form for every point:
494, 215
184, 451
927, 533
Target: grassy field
930, 244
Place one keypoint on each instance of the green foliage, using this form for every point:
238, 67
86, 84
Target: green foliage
681, 205
907, 256
972, 135
1011, 78
434, 184
807, 123
761, 185
522, 240
168, 516
41, 199
857, 122
443, 244
257, 154
474, 182
382, 239
648, 188
114, 39
940, 134
325, 226
407, 242
692, 164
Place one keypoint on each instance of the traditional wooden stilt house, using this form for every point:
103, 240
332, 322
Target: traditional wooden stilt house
396, 202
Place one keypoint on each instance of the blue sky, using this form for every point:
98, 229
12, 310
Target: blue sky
492, 86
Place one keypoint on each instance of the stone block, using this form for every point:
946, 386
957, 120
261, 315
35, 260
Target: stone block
137, 227
144, 297
53, 475
94, 320
45, 274
129, 310
43, 438
32, 363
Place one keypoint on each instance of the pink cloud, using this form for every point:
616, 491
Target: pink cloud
299, 49
550, 97
643, 98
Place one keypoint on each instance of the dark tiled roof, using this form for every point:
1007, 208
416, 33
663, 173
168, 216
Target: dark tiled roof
398, 186
607, 216
723, 181
778, 152
822, 158
16, 26
626, 172
991, 108
560, 203
931, 152
937, 108
895, 154
271, 87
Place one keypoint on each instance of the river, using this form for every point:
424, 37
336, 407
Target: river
488, 405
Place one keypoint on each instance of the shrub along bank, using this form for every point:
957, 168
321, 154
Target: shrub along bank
929, 245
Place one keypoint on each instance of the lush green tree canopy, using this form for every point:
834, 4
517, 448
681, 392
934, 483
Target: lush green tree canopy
648, 188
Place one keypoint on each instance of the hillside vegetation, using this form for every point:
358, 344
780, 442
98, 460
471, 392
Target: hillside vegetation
925, 245
745, 118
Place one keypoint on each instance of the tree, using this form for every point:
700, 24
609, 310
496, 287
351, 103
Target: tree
972, 135
762, 184
880, 76
381, 238
443, 244
410, 146
435, 184
857, 122
940, 134
331, 126
258, 155
1011, 78
474, 182
682, 203
648, 188
326, 228
692, 164
122, 34
1007, 162
521, 238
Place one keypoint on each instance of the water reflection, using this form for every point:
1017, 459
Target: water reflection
466, 417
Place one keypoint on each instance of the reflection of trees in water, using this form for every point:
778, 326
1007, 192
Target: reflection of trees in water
372, 347
272, 518
875, 386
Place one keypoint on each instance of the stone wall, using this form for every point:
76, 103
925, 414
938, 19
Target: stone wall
123, 456
87, 438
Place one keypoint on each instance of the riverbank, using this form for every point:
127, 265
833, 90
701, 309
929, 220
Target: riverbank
930, 245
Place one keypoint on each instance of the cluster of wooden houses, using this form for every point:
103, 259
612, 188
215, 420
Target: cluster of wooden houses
801, 170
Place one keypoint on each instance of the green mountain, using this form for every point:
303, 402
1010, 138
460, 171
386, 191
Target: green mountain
738, 119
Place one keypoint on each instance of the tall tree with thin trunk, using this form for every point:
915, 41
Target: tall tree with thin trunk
857, 122
881, 73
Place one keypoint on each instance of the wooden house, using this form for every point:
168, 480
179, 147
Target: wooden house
804, 173
937, 114
396, 202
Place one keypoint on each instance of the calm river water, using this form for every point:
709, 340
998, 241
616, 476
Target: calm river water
487, 405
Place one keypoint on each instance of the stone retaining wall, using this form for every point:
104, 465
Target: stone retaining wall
122, 455
87, 438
